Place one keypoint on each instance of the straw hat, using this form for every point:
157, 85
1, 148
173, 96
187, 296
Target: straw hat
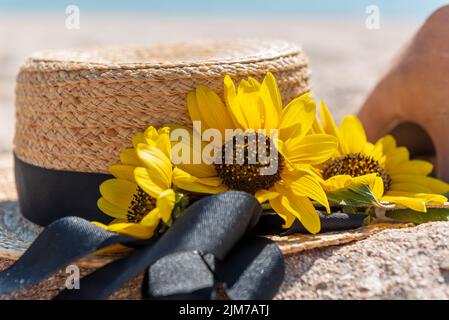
75, 111
86, 101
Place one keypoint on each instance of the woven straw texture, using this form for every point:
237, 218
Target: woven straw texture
75, 110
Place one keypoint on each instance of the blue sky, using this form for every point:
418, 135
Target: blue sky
402, 8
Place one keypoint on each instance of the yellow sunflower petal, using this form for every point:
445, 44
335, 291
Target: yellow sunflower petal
297, 118
435, 199
432, 184
378, 154
396, 158
369, 149
113, 249
192, 107
417, 167
248, 97
271, 102
308, 186
316, 127
132, 229
146, 180
337, 182
211, 181
409, 187
249, 86
118, 192
413, 203
351, 135
200, 170
129, 157
265, 195
302, 208
163, 141
165, 204
213, 112
157, 163
375, 183
282, 211
312, 149
151, 219
99, 224
306, 213
151, 136
110, 209
279, 145
186, 181
327, 121
122, 172
125, 228
254, 83
233, 104
387, 144
137, 138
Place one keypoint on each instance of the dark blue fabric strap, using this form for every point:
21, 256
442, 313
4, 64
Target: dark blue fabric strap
62, 242
211, 225
46, 195
185, 275
270, 223
254, 269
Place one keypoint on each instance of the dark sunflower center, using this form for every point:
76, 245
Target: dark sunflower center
249, 162
355, 165
141, 205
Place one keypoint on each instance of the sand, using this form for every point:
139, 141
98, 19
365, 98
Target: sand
346, 57
409, 263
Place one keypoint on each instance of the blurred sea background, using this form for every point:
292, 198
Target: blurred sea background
346, 57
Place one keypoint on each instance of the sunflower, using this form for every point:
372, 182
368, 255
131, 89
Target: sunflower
145, 189
255, 110
387, 168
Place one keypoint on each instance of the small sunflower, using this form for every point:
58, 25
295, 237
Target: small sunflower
252, 107
384, 166
146, 188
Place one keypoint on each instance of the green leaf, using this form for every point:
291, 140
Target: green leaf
350, 210
408, 215
359, 195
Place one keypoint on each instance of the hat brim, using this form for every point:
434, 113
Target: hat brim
17, 234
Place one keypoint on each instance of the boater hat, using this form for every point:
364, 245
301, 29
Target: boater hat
76, 110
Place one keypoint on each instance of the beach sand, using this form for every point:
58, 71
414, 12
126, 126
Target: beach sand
346, 58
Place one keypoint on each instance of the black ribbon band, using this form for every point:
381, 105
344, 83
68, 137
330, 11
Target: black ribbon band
62, 242
212, 225
253, 270
270, 223
46, 195
204, 239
